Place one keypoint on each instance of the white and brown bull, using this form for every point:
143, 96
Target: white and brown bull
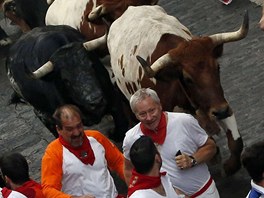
182, 68
83, 15
86, 15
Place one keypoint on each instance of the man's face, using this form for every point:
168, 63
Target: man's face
72, 130
148, 112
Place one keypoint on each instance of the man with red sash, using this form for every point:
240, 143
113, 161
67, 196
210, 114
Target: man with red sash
76, 164
147, 180
183, 145
15, 171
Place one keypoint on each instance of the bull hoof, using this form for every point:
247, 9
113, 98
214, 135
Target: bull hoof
232, 165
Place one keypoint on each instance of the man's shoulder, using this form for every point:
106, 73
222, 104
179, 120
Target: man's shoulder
92, 133
96, 135
133, 133
179, 116
55, 145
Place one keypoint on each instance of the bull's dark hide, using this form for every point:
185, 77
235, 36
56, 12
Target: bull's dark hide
78, 77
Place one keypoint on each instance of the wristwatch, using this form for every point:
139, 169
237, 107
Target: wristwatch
193, 161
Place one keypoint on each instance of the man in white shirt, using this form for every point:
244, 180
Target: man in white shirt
173, 132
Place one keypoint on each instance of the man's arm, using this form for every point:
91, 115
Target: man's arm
261, 22
128, 166
206, 152
202, 155
51, 172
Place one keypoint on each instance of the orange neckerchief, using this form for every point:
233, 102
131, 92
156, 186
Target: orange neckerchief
139, 181
84, 153
158, 136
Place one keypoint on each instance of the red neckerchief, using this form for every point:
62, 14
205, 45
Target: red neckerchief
6, 192
158, 136
139, 181
28, 188
84, 152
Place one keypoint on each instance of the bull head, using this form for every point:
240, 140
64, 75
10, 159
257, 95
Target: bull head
218, 39
208, 109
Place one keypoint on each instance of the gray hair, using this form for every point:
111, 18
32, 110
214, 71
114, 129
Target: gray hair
140, 95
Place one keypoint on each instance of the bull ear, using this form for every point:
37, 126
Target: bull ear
218, 51
43, 70
160, 63
145, 65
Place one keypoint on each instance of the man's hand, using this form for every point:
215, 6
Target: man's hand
183, 161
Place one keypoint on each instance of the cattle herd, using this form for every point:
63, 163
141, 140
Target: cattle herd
58, 60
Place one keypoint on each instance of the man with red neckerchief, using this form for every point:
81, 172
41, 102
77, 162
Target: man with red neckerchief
147, 180
183, 145
76, 164
15, 171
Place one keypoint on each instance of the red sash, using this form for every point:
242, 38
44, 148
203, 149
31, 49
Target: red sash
203, 189
84, 153
160, 135
139, 181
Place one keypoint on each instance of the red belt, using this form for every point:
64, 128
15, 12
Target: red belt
203, 189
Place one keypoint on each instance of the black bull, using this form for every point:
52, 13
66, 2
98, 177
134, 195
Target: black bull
78, 77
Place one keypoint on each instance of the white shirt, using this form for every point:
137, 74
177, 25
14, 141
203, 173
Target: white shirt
74, 169
185, 134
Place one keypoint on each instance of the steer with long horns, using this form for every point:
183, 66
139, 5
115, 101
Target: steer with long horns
63, 71
150, 48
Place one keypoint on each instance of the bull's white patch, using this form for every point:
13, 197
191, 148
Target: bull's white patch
231, 124
137, 32
67, 12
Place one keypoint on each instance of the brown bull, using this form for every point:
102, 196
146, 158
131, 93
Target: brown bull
182, 68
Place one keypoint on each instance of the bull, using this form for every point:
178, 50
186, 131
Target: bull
83, 15
49, 66
150, 48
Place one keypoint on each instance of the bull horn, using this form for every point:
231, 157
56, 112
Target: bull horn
96, 43
151, 71
232, 36
97, 12
43, 70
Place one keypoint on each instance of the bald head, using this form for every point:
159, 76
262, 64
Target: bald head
66, 112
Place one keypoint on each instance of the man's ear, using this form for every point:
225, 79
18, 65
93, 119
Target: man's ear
58, 129
7, 180
158, 158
